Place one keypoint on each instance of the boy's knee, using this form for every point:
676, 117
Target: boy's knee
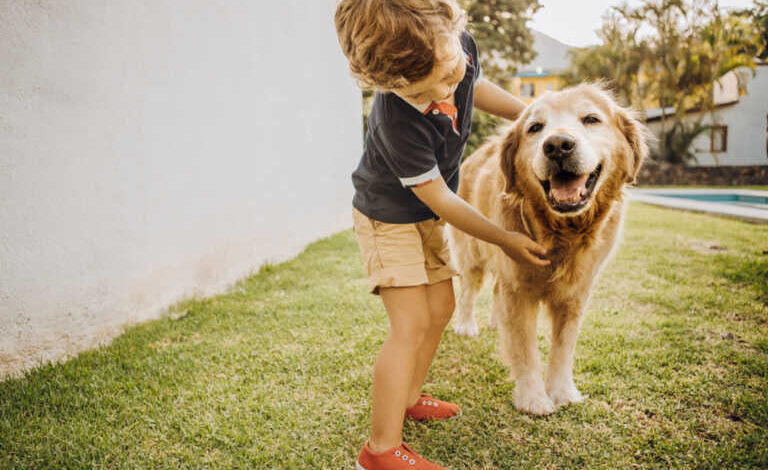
441, 315
412, 332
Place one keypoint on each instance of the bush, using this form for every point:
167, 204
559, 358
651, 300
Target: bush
483, 126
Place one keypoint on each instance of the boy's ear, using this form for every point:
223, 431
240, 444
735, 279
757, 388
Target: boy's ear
508, 152
637, 136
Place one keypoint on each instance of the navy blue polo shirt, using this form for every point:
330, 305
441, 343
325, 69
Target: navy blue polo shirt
406, 146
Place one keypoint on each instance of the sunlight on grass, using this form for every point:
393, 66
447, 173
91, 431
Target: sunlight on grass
276, 373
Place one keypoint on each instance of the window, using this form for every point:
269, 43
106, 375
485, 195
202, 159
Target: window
528, 90
550, 86
718, 139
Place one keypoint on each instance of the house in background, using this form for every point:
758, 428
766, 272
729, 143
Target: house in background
738, 135
541, 75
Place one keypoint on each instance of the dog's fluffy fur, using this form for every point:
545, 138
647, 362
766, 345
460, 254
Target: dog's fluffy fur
577, 218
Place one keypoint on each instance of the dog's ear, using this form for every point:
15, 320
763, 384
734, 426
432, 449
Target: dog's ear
637, 135
509, 145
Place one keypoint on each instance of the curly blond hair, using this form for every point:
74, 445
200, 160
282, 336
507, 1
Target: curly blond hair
391, 43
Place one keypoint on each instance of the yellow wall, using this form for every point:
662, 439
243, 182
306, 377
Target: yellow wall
540, 84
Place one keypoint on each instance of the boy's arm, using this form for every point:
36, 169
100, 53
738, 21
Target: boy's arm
457, 212
493, 99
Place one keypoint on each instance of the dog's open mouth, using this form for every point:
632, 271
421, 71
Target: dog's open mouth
568, 192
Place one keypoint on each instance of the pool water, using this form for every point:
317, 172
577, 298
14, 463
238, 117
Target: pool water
745, 204
757, 202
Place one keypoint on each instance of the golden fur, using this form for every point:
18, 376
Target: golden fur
502, 180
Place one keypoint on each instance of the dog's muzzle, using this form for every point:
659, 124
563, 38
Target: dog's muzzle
567, 190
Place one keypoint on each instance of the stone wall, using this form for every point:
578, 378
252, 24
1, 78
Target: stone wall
661, 173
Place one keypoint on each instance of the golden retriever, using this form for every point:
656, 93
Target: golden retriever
557, 174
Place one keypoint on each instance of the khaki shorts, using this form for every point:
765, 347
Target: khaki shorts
400, 255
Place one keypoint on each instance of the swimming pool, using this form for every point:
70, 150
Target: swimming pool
744, 204
760, 202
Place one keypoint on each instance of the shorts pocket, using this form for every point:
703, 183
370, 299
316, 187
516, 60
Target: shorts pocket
437, 246
398, 244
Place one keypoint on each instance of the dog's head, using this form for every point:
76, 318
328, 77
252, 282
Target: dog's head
570, 146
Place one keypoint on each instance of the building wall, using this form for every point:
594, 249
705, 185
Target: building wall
152, 150
541, 85
747, 127
726, 89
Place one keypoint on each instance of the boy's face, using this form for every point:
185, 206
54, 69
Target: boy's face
449, 69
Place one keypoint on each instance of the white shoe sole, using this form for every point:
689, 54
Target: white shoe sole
358, 466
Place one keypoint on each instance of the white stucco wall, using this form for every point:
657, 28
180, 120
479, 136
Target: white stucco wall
155, 149
747, 121
726, 89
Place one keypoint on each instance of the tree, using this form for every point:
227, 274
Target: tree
759, 15
502, 35
619, 58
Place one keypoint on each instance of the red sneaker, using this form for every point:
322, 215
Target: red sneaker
396, 458
432, 408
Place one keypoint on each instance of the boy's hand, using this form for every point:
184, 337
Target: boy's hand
522, 249
457, 212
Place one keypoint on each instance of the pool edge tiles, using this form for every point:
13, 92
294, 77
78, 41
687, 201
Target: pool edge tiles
672, 198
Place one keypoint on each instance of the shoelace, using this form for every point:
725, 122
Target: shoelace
405, 457
429, 403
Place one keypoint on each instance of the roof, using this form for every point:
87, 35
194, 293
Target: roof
551, 57
655, 113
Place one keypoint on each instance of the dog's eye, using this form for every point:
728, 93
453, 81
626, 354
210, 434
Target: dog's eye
590, 119
535, 127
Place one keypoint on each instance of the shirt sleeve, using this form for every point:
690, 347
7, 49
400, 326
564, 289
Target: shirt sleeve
474, 54
408, 150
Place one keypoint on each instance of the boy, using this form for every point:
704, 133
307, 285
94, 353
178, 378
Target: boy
425, 69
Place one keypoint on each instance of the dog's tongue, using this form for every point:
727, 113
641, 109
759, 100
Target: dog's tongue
568, 189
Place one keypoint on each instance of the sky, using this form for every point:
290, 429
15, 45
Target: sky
574, 22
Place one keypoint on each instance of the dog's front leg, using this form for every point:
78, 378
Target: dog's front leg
566, 318
520, 350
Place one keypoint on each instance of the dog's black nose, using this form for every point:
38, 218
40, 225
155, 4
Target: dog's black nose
559, 146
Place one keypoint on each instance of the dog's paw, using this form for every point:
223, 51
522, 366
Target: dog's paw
562, 396
466, 329
534, 403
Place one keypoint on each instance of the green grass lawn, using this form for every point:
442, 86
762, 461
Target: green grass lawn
673, 356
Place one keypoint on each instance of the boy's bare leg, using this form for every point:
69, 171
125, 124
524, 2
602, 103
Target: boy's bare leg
442, 303
409, 320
